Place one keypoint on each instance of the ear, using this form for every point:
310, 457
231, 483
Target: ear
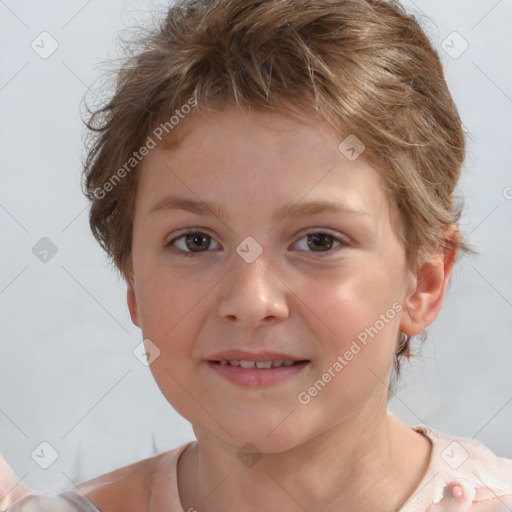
132, 304
423, 304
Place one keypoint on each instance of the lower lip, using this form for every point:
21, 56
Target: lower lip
257, 377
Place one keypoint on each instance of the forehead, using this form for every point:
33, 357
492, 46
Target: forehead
237, 161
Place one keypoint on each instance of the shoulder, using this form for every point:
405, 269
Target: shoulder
121, 489
463, 474
132, 488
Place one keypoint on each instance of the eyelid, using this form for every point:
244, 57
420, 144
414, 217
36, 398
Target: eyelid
327, 231
342, 240
170, 245
187, 231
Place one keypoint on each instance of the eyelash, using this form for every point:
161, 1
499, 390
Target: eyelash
341, 240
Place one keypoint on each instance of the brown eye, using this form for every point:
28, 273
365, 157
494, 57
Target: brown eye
320, 240
190, 243
197, 241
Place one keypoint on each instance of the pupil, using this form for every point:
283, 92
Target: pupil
196, 238
319, 238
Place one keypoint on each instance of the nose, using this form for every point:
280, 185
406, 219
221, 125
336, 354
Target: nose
252, 294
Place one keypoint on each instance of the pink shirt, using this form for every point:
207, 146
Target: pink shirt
463, 475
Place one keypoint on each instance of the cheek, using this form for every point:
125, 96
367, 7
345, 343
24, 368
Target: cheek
357, 329
167, 300
169, 310
355, 320
348, 302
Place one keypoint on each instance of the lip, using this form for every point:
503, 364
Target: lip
252, 356
255, 377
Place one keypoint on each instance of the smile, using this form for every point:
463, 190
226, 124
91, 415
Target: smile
257, 374
257, 364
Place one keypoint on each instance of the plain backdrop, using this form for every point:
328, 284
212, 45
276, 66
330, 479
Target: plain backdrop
68, 375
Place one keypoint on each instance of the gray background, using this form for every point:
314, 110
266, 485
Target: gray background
67, 369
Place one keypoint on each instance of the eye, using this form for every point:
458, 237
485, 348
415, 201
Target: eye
322, 241
196, 241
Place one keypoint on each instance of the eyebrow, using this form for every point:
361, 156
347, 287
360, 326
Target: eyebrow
293, 209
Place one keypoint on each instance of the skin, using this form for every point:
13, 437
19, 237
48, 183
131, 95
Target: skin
12, 488
340, 452
289, 299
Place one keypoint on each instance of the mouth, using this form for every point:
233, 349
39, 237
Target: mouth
256, 369
246, 363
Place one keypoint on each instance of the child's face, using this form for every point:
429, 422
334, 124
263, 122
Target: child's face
308, 297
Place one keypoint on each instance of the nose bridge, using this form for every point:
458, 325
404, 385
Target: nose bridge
251, 292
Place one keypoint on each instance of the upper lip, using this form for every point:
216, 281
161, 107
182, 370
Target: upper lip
243, 355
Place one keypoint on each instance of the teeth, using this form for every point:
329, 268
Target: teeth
263, 364
258, 364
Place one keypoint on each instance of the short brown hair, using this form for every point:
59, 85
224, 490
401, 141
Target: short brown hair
365, 66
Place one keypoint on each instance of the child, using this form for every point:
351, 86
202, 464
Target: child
275, 181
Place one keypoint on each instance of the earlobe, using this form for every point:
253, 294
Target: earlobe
132, 305
423, 304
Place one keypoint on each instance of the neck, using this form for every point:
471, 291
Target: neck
368, 462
